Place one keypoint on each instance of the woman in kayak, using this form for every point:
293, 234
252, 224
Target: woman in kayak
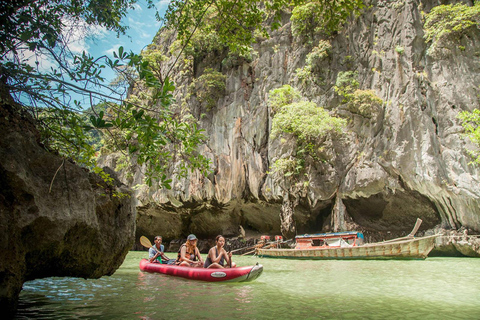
217, 256
189, 255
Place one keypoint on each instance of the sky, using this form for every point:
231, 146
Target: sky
142, 28
98, 41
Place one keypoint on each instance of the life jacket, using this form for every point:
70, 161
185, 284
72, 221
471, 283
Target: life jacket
192, 257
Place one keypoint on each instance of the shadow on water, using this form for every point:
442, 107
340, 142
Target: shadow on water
438, 288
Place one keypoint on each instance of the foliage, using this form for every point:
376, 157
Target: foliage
154, 57
306, 121
313, 61
209, 87
471, 124
232, 21
445, 24
321, 16
288, 166
237, 59
146, 131
310, 125
346, 84
202, 42
364, 103
238, 23
304, 20
280, 97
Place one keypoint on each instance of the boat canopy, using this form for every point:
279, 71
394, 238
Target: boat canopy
343, 235
328, 240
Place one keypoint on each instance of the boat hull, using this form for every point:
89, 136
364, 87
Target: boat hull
416, 248
238, 274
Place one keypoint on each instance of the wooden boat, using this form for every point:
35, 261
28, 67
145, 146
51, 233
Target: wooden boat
238, 274
349, 245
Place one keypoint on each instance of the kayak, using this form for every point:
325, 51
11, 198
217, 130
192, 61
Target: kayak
237, 274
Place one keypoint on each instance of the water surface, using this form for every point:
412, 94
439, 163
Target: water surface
435, 288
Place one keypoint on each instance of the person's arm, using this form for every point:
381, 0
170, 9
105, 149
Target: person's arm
197, 252
164, 257
182, 254
153, 254
162, 254
227, 256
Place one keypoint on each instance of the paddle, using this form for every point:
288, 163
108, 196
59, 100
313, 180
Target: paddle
145, 242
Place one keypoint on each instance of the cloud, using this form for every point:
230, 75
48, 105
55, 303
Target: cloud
77, 33
137, 7
112, 50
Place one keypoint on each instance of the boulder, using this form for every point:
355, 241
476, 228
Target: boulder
56, 218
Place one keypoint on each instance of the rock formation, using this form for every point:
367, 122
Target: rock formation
56, 219
403, 160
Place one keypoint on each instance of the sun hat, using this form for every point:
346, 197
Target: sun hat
191, 237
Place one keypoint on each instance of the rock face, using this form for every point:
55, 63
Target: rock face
406, 160
56, 219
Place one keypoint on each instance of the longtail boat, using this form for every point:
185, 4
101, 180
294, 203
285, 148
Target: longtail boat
350, 245
237, 274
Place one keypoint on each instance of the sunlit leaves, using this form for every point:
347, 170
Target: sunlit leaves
471, 124
445, 24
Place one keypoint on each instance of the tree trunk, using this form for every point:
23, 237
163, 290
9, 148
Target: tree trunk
287, 224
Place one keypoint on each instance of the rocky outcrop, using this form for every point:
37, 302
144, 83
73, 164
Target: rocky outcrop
405, 160
56, 219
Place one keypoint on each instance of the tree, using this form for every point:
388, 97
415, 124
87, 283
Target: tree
310, 126
38, 31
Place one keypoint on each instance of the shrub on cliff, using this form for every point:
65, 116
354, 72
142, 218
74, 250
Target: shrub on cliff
306, 121
446, 24
363, 102
321, 16
280, 97
208, 88
471, 124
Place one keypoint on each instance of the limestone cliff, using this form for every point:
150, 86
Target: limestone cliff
406, 159
56, 219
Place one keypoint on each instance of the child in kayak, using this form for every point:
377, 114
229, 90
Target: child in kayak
155, 253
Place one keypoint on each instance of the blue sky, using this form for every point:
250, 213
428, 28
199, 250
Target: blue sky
142, 28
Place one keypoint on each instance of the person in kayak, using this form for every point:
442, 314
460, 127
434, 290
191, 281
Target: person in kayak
188, 254
156, 252
217, 256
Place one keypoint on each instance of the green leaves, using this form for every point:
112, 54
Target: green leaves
471, 124
278, 98
308, 123
99, 122
321, 16
445, 24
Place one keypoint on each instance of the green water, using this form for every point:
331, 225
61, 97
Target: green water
436, 288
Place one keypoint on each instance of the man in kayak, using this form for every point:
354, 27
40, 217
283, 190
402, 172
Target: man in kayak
217, 256
189, 255
155, 253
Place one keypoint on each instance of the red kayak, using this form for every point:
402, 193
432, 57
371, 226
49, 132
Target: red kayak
238, 274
